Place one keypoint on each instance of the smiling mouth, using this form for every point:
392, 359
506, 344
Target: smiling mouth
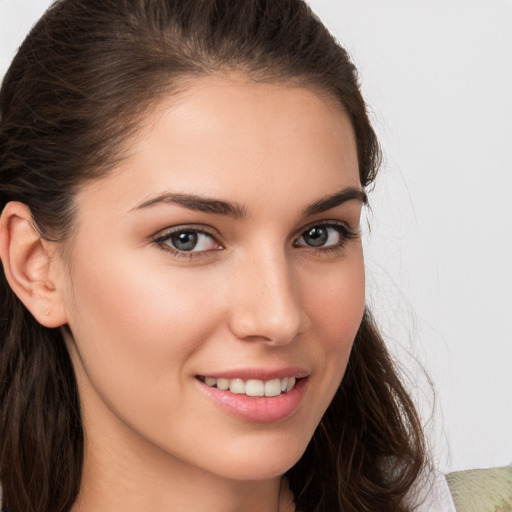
251, 387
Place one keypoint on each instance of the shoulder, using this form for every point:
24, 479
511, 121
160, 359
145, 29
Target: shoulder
482, 489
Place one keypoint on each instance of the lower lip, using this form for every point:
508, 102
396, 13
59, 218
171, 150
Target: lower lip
258, 409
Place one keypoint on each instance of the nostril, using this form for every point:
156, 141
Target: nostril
261, 327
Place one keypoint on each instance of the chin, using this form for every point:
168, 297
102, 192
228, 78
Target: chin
260, 460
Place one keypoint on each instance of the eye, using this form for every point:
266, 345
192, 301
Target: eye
187, 240
325, 236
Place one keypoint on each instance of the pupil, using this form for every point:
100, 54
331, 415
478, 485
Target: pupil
185, 241
316, 237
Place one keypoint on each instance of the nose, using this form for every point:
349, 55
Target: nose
266, 303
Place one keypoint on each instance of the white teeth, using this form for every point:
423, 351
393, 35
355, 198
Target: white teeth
253, 387
237, 386
273, 387
210, 381
222, 384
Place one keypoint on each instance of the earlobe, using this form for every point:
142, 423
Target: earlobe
26, 259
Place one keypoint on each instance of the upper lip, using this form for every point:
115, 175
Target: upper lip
259, 373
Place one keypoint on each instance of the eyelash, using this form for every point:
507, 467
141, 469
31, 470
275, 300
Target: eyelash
345, 232
165, 237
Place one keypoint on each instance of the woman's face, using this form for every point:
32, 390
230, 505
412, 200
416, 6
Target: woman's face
223, 251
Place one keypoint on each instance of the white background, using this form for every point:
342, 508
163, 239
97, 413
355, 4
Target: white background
438, 78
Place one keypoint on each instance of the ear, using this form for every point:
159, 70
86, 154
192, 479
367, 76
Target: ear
27, 259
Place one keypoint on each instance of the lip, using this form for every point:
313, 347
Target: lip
260, 373
257, 409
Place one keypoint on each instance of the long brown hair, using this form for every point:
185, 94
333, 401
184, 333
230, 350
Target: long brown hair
72, 98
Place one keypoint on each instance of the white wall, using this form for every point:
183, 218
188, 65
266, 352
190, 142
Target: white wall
438, 76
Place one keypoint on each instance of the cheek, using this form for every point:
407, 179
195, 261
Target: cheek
133, 321
336, 305
334, 299
137, 334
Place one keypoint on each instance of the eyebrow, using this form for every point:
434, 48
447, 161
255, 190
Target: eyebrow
219, 207
337, 199
197, 203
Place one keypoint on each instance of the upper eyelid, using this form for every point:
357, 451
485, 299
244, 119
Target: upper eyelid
164, 233
328, 223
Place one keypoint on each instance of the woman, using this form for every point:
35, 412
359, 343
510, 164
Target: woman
183, 320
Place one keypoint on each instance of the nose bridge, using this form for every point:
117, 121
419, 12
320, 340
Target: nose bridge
267, 303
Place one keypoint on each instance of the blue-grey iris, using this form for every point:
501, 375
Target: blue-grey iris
316, 237
185, 241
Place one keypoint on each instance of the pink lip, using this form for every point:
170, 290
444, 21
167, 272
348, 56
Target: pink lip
257, 409
260, 373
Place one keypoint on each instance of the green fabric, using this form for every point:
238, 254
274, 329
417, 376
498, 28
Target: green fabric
482, 490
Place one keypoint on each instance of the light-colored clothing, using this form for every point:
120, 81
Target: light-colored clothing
432, 494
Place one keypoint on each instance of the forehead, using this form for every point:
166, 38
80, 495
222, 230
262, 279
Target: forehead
229, 135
